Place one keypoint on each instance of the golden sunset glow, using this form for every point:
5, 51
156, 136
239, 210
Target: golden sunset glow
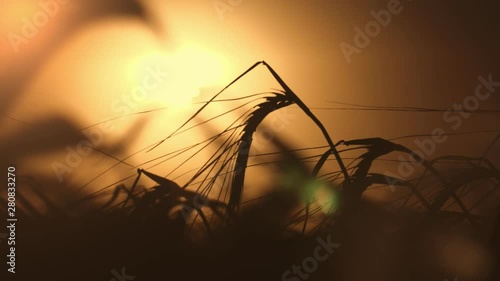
184, 71
13, 13
248, 140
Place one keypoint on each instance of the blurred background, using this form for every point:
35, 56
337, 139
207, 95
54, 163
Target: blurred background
88, 87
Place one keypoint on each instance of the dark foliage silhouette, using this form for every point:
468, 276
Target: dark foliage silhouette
162, 232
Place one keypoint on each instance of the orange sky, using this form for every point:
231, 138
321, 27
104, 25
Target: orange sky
89, 55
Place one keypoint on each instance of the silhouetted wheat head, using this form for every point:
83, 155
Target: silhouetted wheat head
220, 181
453, 189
